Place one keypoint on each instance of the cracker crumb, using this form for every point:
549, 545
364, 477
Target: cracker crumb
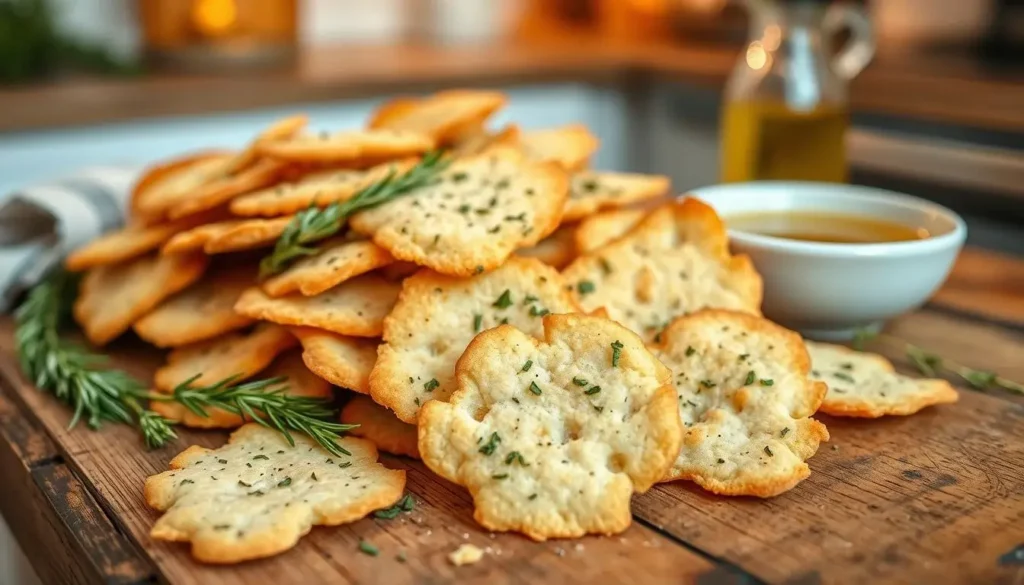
578, 547
466, 554
560, 551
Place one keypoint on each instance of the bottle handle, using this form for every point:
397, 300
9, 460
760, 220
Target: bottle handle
858, 52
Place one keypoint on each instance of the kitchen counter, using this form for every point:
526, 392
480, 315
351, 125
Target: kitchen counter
943, 92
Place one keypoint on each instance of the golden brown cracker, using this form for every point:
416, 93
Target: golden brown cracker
249, 234
482, 210
169, 179
348, 145
113, 297
341, 360
221, 191
336, 262
379, 425
553, 436
202, 311
557, 250
605, 227
356, 307
592, 191
481, 140
571, 146
241, 353
866, 385
675, 261
300, 382
258, 495
444, 116
746, 400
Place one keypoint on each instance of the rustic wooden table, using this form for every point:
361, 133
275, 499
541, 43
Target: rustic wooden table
933, 498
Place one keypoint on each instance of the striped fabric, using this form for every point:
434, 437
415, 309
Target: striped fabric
39, 224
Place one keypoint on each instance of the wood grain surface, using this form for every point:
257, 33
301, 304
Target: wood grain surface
933, 498
934, 91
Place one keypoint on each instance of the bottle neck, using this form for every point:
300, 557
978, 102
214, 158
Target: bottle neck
774, 22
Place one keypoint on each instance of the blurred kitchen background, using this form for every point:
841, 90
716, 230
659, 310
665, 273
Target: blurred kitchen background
938, 112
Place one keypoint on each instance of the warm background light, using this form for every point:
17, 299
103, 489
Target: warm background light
214, 17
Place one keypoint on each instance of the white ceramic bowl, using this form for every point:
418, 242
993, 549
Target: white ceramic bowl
829, 291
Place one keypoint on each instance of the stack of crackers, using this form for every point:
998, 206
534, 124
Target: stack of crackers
551, 337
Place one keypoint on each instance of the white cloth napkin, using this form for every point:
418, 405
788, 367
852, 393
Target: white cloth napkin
40, 224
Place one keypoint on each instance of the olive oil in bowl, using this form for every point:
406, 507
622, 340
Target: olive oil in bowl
829, 228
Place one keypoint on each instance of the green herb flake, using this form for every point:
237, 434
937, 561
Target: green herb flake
690, 351
407, 503
491, 444
500, 476
527, 366
585, 287
707, 383
504, 301
579, 381
313, 476
400, 557
768, 451
784, 432
844, 377
285, 482
367, 548
478, 321
535, 388
532, 497
530, 299
750, 378
263, 457
592, 391
605, 266
388, 514
186, 481
538, 312
514, 456
432, 385
767, 381
243, 484
616, 352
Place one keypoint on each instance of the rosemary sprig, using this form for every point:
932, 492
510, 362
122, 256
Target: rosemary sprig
932, 364
275, 409
71, 372
99, 394
314, 224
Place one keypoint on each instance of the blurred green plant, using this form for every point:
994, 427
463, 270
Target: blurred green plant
32, 47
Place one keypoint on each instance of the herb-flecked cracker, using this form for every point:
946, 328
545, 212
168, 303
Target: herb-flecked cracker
591, 191
318, 189
347, 145
336, 262
113, 297
257, 495
341, 360
379, 425
746, 400
571, 146
602, 228
437, 316
355, 307
202, 311
242, 354
866, 385
480, 211
444, 116
675, 261
552, 437
300, 382
556, 250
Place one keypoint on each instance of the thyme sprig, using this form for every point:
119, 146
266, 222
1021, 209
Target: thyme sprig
99, 394
315, 224
932, 364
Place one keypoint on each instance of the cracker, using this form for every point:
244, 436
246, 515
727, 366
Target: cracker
243, 354
341, 360
202, 311
605, 227
379, 425
300, 382
866, 385
480, 140
222, 190
130, 242
257, 495
675, 261
113, 297
482, 209
557, 250
571, 146
552, 437
444, 116
336, 262
318, 189
356, 307
437, 316
172, 179
746, 400
346, 146
228, 236
592, 191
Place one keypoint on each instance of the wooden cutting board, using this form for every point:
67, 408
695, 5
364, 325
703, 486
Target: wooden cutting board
933, 498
